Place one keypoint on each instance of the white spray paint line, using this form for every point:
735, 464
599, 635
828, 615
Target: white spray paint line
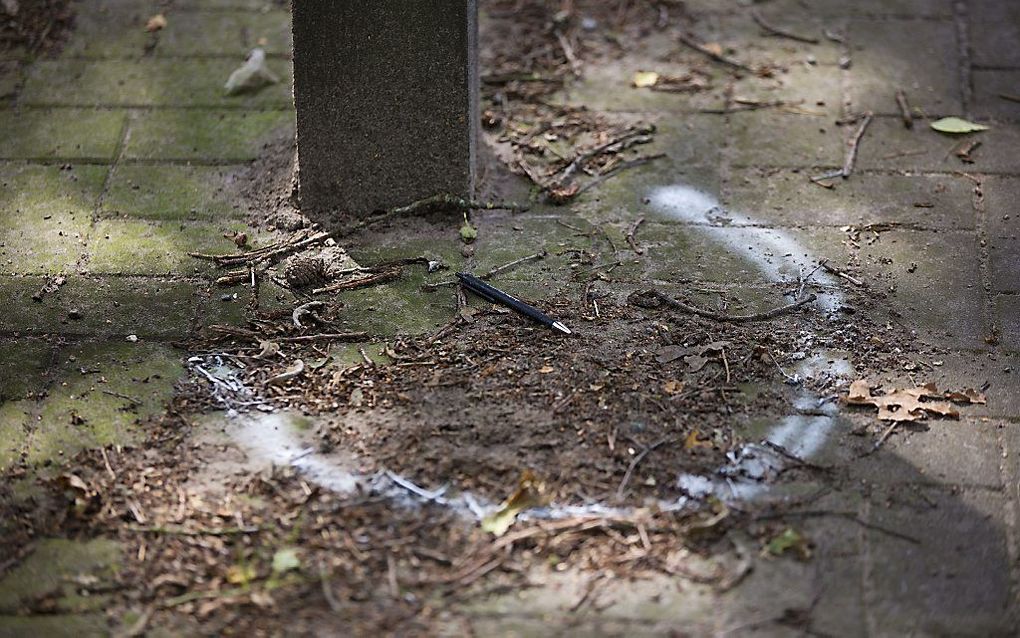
778, 256
274, 439
772, 251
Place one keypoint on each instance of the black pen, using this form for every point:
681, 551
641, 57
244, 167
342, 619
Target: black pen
487, 292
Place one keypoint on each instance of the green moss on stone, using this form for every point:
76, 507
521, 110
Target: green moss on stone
184, 134
53, 569
60, 133
171, 192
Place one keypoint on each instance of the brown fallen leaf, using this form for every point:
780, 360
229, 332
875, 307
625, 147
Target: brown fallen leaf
694, 440
910, 404
156, 23
967, 395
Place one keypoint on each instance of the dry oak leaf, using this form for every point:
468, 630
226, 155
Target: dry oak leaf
902, 405
156, 23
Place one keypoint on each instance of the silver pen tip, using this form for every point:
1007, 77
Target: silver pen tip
559, 326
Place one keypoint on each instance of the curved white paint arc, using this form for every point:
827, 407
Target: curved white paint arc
776, 254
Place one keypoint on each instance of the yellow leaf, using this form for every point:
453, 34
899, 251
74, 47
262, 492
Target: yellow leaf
529, 493
240, 574
694, 440
645, 79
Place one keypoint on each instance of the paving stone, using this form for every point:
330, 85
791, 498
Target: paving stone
736, 31
785, 197
507, 238
44, 215
812, 92
10, 78
994, 32
887, 144
52, 568
1007, 308
23, 367
607, 87
227, 33
939, 451
955, 580
924, 65
1002, 206
872, 8
922, 267
770, 138
172, 192
135, 247
148, 82
989, 87
60, 133
189, 134
111, 306
78, 411
998, 373
625, 197
15, 417
116, 28
54, 626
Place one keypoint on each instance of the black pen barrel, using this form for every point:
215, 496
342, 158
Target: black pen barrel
498, 296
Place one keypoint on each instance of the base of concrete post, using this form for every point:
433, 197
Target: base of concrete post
387, 103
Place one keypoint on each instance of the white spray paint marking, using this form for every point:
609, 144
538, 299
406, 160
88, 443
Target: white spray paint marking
273, 438
774, 252
780, 258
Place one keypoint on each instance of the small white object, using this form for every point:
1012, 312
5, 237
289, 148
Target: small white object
132, 338
252, 75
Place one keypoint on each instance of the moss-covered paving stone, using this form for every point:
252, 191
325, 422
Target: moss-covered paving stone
60, 133
888, 145
226, 33
148, 82
15, 417
400, 307
55, 626
171, 192
137, 247
198, 134
10, 78
116, 28
506, 238
100, 392
105, 306
23, 367
54, 569
44, 214
767, 137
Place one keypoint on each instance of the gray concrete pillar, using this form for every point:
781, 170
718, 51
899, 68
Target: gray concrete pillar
387, 103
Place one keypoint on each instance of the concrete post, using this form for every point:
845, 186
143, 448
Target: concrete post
387, 103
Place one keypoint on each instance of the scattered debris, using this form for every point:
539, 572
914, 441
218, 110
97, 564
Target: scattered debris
783, 33
956, 126
851, 153
715, 53
654, 298
292, 372
251, 76
904, 106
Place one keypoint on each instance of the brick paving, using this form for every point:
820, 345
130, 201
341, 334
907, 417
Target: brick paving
114, 164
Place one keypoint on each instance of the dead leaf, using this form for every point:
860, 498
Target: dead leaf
156, 23
694, 441
967, 395
673, 387
530, 492
912, 404
545, 369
